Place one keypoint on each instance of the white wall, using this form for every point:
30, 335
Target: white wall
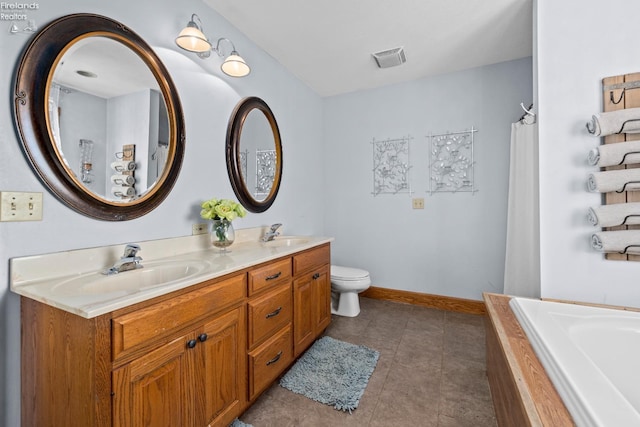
578, 45
83, 116
455, 246
208, 98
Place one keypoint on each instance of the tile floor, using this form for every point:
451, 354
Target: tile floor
431, 372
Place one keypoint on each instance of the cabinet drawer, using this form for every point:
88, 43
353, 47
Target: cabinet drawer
132, 330
268, 361
311, 259
269, 312
263, 277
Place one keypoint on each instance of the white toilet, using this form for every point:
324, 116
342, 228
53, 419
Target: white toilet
346, 283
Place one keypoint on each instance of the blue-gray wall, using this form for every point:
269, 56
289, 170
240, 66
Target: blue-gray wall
455, 246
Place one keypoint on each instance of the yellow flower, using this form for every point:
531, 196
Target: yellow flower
221, 209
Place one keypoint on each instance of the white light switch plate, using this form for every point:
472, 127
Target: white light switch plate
20, 206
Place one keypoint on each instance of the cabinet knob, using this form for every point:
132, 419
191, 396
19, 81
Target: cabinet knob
275, 359
316, 276
191, 343
202, 337
273, 313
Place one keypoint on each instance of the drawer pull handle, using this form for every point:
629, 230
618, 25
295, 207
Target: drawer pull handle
316, 276
191, 343
203, 337
273, 313
275, 359
274, 276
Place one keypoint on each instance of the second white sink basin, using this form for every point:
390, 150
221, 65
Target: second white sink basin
287, 241
151, 275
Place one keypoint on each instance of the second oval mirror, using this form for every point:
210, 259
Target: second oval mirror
254, 154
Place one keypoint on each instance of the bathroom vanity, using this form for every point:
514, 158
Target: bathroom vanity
195, 351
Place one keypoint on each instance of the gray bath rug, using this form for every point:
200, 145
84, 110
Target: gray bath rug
332, 372
238, 423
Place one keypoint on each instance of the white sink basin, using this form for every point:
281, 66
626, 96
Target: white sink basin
151, 275
287, 241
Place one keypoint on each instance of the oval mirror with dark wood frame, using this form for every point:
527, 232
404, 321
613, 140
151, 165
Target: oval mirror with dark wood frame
94, 49
253, 138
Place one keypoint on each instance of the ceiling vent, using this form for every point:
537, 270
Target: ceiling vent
390, 58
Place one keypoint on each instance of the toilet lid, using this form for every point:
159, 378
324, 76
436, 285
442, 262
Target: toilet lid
348, 273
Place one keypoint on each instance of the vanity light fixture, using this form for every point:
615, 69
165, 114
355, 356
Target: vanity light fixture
192, 39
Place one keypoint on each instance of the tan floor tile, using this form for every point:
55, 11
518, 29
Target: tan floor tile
431, 372
405, 408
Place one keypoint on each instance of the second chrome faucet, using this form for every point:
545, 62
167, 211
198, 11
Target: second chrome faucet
129, 261
272, 233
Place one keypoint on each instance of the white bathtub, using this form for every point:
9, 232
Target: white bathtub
592, 356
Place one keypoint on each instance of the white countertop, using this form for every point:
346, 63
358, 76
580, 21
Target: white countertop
45, 278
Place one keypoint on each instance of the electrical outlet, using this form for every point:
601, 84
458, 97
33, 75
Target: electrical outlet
418, 203
20, 206
199, 229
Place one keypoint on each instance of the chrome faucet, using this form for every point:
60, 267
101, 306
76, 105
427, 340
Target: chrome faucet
129, 261
272, 233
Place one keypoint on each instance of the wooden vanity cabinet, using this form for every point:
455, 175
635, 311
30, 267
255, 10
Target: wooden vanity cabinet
197, 379
177, 360
195, 357
311, 296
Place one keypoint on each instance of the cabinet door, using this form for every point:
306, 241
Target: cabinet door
311, 307
303, 313
222, 377
322, 288
152, 390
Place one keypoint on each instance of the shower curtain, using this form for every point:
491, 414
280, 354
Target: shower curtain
522, 258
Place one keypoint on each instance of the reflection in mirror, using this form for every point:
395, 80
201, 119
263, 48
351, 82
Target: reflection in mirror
99, 117
258, 155
254, 154
103, 98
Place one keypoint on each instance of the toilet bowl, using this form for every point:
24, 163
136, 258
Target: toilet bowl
346, 283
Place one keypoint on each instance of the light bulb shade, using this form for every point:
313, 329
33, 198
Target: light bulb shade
235, 66
192, 39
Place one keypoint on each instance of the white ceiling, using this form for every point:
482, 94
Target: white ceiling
328, 43
117, 69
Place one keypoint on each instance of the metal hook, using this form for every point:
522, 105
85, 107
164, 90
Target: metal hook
625, 156
624, 187
625, 122
620, 99
629, 216
627, 249
527, 112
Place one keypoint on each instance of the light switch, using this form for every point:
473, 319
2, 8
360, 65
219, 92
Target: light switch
20, 206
